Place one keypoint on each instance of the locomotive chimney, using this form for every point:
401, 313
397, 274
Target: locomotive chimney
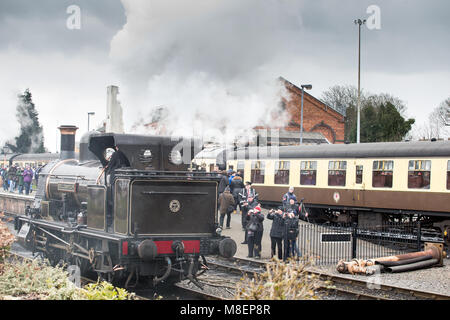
67, 142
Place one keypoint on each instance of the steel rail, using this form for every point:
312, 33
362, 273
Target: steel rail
198, 293
385, 288
250, 273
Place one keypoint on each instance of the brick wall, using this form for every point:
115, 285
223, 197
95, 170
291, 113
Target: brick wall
317, 116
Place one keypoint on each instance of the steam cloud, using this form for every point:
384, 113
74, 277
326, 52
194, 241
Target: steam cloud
212, 65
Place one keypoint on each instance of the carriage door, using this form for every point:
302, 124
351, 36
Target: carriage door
358, 190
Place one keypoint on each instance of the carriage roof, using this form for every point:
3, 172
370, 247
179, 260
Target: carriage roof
336, 151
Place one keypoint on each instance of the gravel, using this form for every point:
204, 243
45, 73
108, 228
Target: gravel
435, 279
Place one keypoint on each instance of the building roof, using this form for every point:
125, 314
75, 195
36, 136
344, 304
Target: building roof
327, 107
210, 153
287, 137
37, 157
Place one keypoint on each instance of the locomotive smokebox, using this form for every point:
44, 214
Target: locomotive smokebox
67, 142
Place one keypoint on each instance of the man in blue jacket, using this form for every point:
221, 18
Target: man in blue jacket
288, 196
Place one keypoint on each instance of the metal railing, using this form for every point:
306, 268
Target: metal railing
327, 244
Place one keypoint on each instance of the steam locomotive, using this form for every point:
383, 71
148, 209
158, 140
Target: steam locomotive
128, 209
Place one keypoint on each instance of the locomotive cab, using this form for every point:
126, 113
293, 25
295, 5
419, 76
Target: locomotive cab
137, 210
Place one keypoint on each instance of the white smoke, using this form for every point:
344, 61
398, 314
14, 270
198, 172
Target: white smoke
211, 64
26, 122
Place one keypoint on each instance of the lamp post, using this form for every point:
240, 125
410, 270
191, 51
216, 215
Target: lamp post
307, 87
5, 150
90, 114
359, 22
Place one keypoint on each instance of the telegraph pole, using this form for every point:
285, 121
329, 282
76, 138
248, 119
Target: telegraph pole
359, 22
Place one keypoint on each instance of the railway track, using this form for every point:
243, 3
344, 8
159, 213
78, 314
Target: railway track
199, 294
343, 286
249, 268
355, 288
143, 294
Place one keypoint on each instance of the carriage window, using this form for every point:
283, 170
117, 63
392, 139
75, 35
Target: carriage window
282, 172
240, 167
337, 173
230, 167
419, 172
359, 174
448, 175
257, 173
308, 173
382, 174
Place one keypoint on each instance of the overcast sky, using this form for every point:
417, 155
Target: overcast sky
188, 54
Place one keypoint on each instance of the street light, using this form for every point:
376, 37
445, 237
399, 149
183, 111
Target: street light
359, 22
307, 87
90, 114
5, 151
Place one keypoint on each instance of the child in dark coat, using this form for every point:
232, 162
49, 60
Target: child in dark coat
276, 232
254, 231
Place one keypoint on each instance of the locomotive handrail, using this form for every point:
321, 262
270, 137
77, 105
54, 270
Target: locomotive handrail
66, 175
156, 172
175, 192
182, 178
185, 175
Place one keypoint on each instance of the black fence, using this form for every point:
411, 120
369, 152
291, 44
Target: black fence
327, 244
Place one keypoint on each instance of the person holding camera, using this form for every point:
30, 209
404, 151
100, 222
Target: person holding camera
248, 200
276, 232
254, 231
291, 206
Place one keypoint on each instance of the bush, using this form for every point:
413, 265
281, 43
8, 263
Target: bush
36, 280
6, 239
281, 281
105, 291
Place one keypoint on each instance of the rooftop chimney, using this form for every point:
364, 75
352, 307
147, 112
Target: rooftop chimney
114, 115
67, 142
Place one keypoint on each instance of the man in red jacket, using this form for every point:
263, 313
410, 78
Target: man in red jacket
254, 231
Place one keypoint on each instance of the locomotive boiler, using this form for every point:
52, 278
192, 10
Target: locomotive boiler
129, 208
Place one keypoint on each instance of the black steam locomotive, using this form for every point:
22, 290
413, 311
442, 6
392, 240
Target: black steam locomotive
128, 209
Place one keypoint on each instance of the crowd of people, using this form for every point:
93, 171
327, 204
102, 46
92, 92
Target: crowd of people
18, 178
234, 194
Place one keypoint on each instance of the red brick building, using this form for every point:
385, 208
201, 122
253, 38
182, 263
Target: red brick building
317, 116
